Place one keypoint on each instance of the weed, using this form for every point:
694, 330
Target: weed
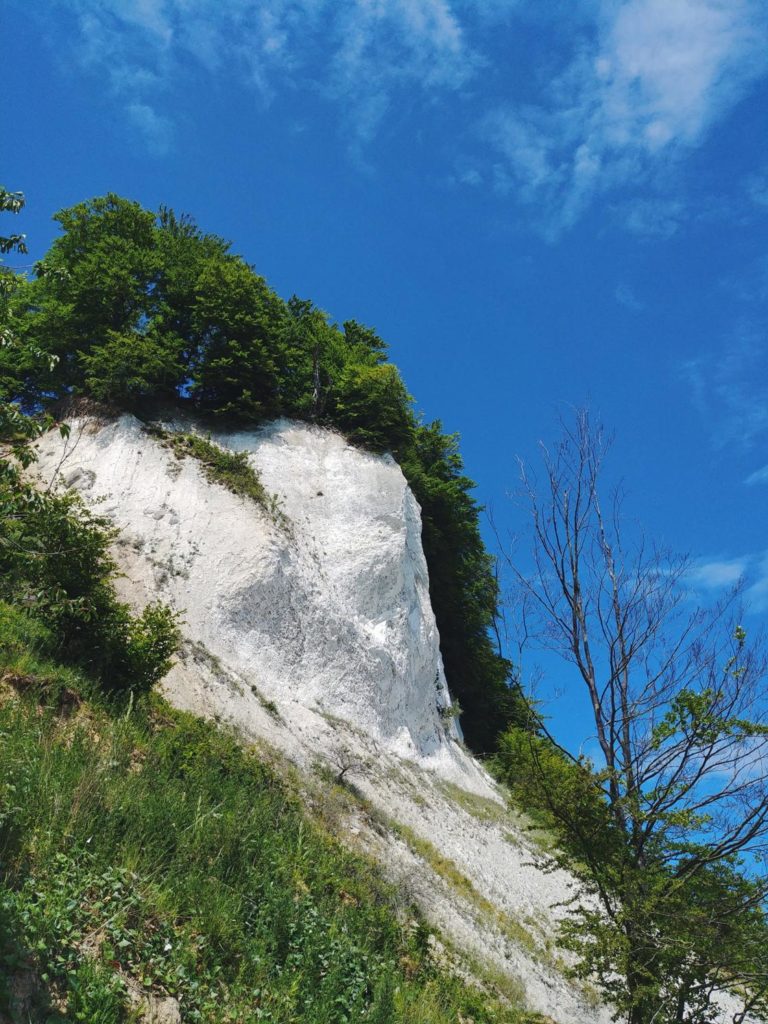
230, 469
522, 933
480, 807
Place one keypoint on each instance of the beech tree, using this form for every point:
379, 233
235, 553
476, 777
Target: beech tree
667, 832
10, 202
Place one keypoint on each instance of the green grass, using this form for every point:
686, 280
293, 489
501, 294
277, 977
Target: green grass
137, 842
482, 808
520, 932
221, 466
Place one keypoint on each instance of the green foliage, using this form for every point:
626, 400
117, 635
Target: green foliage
672, 942
55, 563
661, 939
15, 428
97, 281
677, 708
12, 202
372, 407
134, 309
54, 558
463, 587
236, 320
129, 367
230, 469
150, 846
561, 795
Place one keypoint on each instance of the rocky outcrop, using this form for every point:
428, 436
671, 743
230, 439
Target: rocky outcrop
325, 603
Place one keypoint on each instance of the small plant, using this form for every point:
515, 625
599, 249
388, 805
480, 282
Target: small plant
344, 762
269, 705
227, 468
481, 807
451, 712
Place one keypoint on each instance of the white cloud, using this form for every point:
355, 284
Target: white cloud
729, 387
718, 574
652, 217
360, 53
654, 79
640, 83
471, 176
757, 592
760, 476
156, 130
756, 187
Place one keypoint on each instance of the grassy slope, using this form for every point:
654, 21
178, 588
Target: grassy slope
144, 844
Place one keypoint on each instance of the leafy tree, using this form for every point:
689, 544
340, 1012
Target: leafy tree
97, 281
236, 322
55, 563
16, 429
54, 555
373, 408
312, 357
363, 345
657, 835
184, 251
10, 202
130, 366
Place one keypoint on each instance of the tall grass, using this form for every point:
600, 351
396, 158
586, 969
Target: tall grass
140, 843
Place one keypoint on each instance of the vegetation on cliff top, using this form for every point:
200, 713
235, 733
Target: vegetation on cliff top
134, 309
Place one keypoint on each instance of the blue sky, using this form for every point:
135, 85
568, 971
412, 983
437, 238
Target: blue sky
537, 204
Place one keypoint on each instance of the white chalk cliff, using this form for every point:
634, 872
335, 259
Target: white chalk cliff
313, 630
326, 604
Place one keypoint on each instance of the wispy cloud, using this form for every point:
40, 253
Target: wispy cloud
757, 188
709, 576
651, 216
729, 387
757, 592
645, 88
626, 297
358, 53
748, 283
718, 574
640, 82
760, 476
156, 130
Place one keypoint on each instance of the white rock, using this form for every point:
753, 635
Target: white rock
332, 612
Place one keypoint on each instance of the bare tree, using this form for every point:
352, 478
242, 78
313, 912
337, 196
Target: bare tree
345, 761
680, 713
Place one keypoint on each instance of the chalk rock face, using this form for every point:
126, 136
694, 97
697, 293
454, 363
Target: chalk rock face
326, 604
